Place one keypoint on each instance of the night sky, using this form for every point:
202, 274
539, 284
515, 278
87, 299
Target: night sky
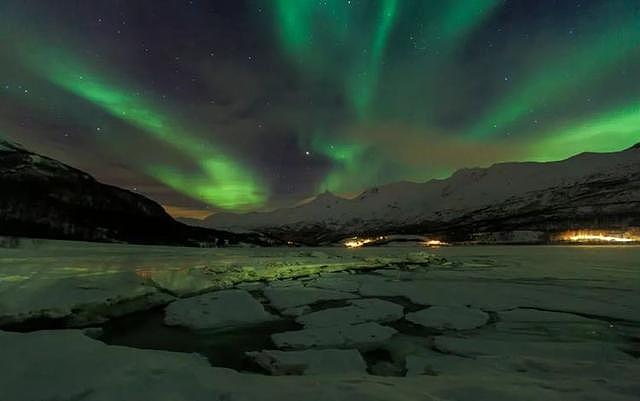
253, 104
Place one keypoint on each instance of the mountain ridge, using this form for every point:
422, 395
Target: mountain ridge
498, 197
44, 198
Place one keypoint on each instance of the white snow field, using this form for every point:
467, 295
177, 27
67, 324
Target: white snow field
83, 321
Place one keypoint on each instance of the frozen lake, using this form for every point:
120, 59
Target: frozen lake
397, 323
48, 259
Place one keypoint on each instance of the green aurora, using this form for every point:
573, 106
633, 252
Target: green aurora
221, 180
369, 92
587, 61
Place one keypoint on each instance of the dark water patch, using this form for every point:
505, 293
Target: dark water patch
35, 324
330, 304
223, 348
259, 296
494, 317
380, 363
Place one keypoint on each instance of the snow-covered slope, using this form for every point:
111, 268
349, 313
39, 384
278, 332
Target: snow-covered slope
594, 188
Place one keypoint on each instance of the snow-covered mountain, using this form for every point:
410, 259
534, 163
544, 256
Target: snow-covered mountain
589, 189
43, 198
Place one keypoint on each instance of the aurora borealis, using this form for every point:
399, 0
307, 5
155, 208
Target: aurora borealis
254, 104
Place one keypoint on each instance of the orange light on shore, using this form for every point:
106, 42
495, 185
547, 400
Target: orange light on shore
596, 236
358, 242
435, 242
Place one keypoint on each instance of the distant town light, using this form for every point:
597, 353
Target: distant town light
356, 242
434, 242
598, 236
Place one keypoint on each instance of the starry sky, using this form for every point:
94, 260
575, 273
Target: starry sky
240, 105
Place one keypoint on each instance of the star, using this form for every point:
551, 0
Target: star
222, 95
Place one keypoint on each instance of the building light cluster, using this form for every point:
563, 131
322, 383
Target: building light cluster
584, 236
357, 242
